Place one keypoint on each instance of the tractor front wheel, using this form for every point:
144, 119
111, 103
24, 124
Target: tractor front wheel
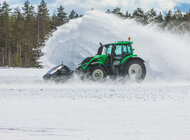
97, 73
135, 70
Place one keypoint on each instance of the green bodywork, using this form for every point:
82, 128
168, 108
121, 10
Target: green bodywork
103, 59
123, 43
100, 59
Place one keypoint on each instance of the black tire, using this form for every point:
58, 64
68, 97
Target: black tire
97, 73
135, 70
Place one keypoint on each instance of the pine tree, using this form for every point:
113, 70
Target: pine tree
29, 41
127, 15
183, 21
117, 11
61, 16
73, 15
159, 19
178, 15
5, 34
28, 10
53, 22
43, 23
151, 15
1, 37
77, 15
139, 16
18, 37
187, 17
168, 16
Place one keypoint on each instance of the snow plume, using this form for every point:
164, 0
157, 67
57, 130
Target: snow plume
167, 55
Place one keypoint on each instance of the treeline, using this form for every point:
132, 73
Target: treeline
177, 21
23, 32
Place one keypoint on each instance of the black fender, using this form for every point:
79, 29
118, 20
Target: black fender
132, 58
100, 64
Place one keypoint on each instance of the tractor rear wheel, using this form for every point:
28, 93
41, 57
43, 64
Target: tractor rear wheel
135, 70
97, 73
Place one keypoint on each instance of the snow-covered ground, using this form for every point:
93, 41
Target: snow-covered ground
31, 109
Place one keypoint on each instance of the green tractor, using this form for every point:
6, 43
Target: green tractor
113, 60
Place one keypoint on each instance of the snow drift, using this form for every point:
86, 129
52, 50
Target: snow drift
167, 55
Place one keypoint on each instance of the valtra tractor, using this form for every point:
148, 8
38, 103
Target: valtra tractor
113, 60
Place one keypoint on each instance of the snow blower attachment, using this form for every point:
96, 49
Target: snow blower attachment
58, 73
114, 60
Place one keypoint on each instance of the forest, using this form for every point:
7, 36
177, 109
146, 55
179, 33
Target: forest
23, 31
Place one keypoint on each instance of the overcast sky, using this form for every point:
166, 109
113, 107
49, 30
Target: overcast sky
83, 5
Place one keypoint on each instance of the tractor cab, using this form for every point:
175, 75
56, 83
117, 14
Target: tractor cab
116, 52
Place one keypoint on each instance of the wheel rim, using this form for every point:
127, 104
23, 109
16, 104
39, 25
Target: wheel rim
135, 71
97, 75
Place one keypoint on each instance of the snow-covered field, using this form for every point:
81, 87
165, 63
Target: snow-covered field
31, 109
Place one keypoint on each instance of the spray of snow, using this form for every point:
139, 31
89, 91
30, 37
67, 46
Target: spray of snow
166, 54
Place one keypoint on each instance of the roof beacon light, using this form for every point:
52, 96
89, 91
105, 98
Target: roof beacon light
129, 38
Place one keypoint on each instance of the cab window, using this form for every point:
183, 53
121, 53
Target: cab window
125, 49
109, 49
129, 49
118, 50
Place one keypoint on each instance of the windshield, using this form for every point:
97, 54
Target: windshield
109, 50
104, 50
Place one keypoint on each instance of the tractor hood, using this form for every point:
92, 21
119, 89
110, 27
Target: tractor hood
100, 56
99, 59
